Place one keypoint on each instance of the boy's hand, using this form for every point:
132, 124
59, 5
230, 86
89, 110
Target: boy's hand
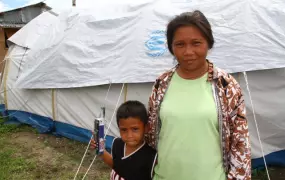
107, 158
93, 144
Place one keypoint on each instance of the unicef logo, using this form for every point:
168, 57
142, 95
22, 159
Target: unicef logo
156, 45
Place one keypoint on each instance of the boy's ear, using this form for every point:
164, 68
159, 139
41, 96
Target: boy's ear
146, 129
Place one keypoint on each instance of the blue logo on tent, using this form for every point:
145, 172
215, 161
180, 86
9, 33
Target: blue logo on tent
156, 45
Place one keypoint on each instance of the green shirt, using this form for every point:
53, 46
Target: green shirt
189, 146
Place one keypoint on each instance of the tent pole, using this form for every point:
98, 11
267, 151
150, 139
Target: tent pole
53, 103
3, 69
126, 92
6, 70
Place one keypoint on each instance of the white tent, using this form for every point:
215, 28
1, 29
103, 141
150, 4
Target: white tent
59, 68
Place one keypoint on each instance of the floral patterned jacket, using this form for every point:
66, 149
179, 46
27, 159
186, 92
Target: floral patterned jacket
233, 128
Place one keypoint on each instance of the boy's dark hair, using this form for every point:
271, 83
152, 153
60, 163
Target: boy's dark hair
196, 19
133, 109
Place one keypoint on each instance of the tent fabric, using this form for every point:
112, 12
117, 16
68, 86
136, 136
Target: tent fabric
276, 159
267, 90
39, 26
85, 47
41, 123
75, 106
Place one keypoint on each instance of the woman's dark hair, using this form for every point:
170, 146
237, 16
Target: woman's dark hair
133, 109
196, 19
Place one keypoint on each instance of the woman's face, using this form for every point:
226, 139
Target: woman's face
190, 48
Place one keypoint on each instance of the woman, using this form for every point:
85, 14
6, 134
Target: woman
196, 111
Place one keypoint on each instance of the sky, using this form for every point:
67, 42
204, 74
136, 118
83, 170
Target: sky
11, 4
55, 4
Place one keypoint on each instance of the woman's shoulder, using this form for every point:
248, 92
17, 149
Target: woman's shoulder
166, 74
226, 78
163, 78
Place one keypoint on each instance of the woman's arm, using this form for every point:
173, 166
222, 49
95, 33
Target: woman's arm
150, 135
240, 152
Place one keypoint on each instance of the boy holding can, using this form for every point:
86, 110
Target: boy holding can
131, 157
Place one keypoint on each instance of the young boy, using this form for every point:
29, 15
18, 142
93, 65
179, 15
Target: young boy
131, 158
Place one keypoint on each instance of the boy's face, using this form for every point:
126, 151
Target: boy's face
132, 131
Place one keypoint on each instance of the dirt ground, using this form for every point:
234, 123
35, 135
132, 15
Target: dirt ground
61, 153
49, 157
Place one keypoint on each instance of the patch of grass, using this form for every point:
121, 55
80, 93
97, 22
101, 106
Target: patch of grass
26, 154
261, 174
8, 128
11, 166
12, 128
1, 120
